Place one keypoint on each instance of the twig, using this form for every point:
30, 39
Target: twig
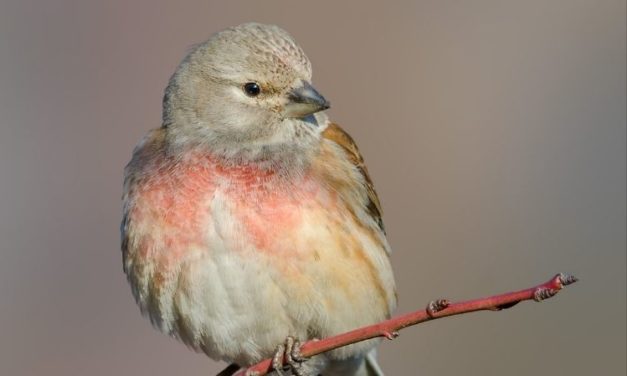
435, 310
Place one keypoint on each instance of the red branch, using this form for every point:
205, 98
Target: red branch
435, 310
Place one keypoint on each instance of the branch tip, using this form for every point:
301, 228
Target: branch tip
567, 279
435, 310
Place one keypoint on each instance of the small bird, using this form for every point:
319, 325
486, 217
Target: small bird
250, 222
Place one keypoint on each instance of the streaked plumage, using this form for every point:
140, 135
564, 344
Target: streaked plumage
243, 225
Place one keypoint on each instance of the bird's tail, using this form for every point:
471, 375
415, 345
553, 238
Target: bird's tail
371, 364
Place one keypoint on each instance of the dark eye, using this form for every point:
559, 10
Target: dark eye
252, 89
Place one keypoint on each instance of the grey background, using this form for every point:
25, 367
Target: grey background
494, 131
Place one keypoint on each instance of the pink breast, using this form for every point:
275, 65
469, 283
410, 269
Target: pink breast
178, 202
169, 209
271, 219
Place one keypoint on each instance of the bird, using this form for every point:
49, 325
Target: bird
250, 221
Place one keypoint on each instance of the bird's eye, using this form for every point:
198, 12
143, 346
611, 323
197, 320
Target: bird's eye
252, 89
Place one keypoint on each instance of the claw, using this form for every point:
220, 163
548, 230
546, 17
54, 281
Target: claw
292, 352
293, 358
277, 359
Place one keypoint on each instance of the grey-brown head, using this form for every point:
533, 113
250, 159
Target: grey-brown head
245, 92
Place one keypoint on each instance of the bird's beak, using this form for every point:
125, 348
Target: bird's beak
303, 101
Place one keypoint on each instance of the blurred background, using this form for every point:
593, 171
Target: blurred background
494, 131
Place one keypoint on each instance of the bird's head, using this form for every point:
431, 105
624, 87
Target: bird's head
245, 92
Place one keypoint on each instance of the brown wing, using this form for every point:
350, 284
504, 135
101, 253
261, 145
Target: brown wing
345, 141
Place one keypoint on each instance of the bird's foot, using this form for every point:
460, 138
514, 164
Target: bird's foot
290, 350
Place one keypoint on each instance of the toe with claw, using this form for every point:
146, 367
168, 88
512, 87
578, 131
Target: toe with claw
290, 351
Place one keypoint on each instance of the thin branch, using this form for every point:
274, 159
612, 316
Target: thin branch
435, 310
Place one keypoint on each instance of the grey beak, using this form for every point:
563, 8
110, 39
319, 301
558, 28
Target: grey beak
303, 101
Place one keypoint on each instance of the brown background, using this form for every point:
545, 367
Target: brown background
494, 130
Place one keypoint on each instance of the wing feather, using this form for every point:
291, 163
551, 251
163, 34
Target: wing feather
336, 134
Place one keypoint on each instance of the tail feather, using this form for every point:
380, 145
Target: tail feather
372, 366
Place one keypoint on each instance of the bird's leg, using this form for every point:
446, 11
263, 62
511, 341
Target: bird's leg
290, 350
